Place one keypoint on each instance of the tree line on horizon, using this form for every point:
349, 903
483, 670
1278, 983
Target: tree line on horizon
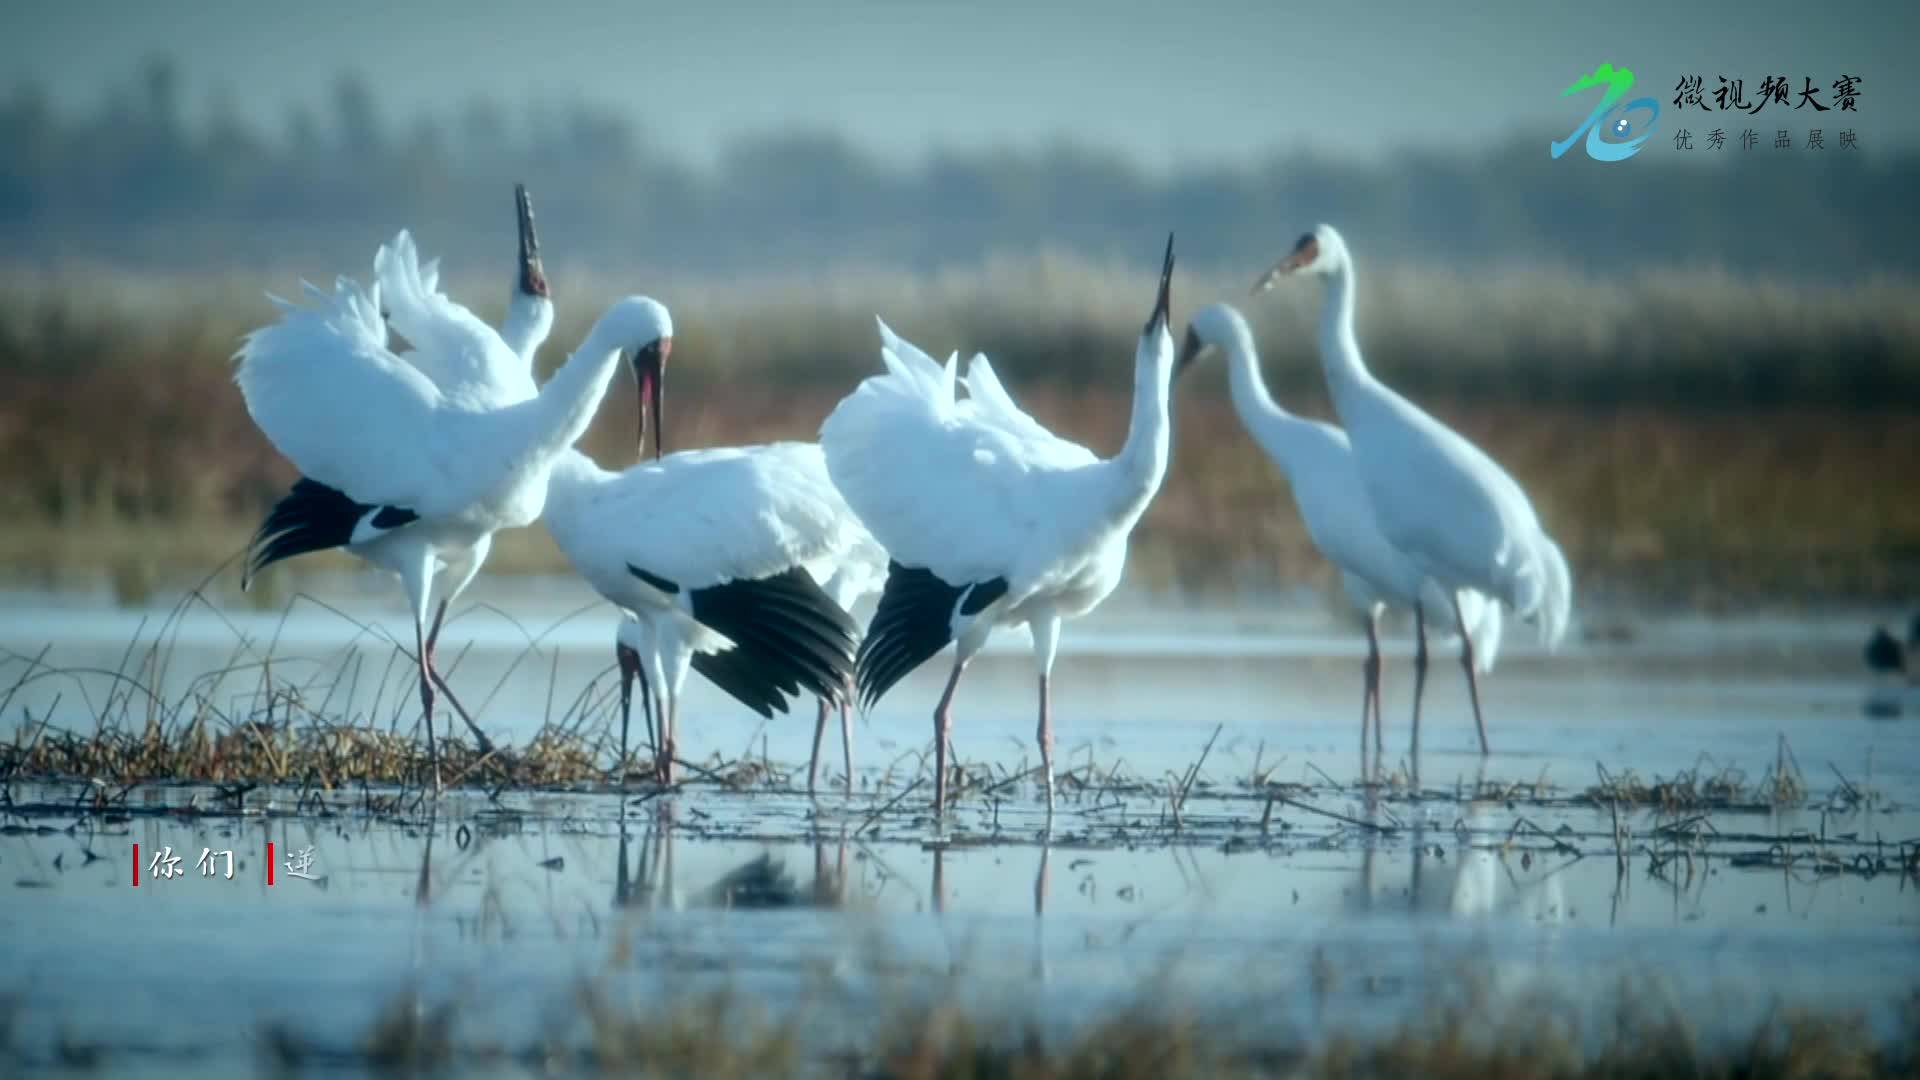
132, 182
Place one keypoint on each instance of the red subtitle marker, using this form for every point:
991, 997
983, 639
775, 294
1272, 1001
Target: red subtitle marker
269, 862
136, 866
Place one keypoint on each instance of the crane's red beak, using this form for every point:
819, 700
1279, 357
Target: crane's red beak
650, 369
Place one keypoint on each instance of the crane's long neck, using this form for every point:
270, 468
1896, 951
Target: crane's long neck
1244, 381
529, 320
1142, 463
565, 406
1295, 442
1339, 348
1272, 426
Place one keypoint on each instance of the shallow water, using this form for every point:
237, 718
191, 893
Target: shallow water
1348, 908
1138, 683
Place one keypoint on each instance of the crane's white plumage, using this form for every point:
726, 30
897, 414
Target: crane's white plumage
698, 518
862, 571
408, 475
989, 519
716, 556
1318, 462
453, 347
324, 372
1462, 520
987, 514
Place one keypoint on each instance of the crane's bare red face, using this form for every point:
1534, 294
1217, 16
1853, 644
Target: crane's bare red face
1304, 254
650, 371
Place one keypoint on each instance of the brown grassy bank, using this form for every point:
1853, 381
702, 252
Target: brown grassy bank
1692, 439
1632, 1029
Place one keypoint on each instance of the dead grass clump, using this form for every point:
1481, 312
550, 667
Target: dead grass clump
324, 756
721, 1034
1701, 789
1646, 1034
946, 1042
409, 1034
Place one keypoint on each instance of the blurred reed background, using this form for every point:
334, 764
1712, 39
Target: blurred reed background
1707, 377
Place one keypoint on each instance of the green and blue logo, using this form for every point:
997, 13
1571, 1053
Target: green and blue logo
1611, 137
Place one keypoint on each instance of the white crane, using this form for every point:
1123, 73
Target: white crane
989, 519
412, 477
1320, 470
715, 556
1437, 498
858, 573
481, 379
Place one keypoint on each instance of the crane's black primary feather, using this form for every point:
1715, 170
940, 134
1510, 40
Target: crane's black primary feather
788, 634
314, 517
913, 622
734, 673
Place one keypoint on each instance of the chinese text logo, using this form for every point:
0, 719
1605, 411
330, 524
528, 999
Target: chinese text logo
1610, 137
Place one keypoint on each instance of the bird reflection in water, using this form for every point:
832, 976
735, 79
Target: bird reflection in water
937, 891
761, 882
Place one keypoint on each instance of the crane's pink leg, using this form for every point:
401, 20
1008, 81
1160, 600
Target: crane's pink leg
942, 736
1466, 663
1045, 737
819, 728
433, 638
426, 702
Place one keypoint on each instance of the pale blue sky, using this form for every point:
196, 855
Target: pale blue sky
1199, 80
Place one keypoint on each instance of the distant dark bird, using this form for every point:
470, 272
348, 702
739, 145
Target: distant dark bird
1885, 655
